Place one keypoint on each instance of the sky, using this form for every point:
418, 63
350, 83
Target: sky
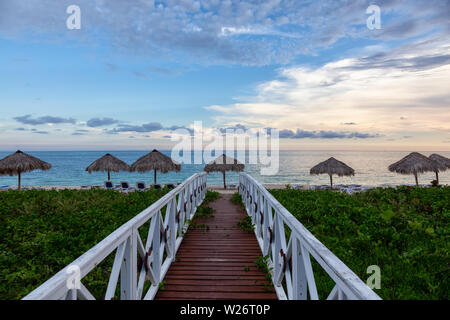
137, 70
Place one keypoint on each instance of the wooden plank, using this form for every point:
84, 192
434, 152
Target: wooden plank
219, 288
217, 263
224, 283
162, 294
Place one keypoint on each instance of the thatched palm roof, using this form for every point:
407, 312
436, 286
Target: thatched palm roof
441, 162
155, 160
19, 162
108, 163
224, 163
413, 163
332, 166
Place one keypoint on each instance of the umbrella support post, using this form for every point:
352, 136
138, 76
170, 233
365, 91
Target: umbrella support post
18, 187
224, 183
417, 180
437, 177
155, 175
331, 181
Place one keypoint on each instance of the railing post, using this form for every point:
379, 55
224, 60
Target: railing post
276, 254
156, 243
172, 230
181, 216
197, 191
299, 281
205, 187
188, 200
128, 273
265, 228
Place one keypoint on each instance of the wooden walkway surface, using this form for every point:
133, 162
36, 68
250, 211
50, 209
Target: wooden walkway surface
217, 263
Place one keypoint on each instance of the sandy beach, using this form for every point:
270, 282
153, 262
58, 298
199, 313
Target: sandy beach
230, 188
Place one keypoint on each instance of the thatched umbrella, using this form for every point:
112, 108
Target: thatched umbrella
223, 164
332, 166
414, 163
155, 160
20, 162
108, 163
441, 162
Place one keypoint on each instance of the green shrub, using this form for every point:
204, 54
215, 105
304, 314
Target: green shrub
405, 231
211, 196
236, 198
43, 231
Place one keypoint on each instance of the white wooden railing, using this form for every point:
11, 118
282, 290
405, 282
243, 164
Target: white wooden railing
135, 262
290, 263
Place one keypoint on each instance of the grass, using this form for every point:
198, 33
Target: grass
204, 212
245, 224
236, 198
211, 196
405, 231
262, 264
43, 231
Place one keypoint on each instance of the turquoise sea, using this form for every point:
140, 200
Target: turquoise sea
68, 169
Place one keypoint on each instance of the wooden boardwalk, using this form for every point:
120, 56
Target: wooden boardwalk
217, 263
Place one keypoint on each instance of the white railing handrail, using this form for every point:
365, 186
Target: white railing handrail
56, 285
346, 280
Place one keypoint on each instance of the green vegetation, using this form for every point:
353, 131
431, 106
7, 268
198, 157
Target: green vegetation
262, 264
204, 211
210, 196
43, 231
162, 285
405, 231
236, 198
246, 224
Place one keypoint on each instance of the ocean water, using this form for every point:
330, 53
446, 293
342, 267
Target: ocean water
68, 169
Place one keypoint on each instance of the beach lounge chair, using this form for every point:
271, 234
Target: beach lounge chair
125, 186
141, 186
170, 185
156, 186
109, 185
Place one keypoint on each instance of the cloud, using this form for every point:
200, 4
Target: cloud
233, 128
112, 67
43, 120
139, 74
161, 70
99, 122
323, 134
233, 31
41, 132
376, 97
349, 123
145, 128
175, 128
